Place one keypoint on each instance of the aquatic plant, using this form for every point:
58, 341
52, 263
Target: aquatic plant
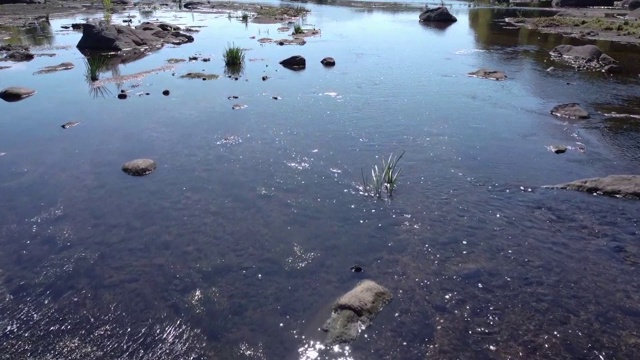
233, 56
244, 17
297, 29
107, 11
385, 178
94, 64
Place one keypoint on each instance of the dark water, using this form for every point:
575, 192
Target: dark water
236, 251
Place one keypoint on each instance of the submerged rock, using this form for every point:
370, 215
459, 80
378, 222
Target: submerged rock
570, 111
585, 57
328, 61
295, 63
354, 311
16, 93
488, 74
108, 37
439, 14
199, 75
54, 68
18, 56
615, 185
139, 167
69, 124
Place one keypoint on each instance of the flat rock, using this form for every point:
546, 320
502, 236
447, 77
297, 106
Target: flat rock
613, 185
54, 68
18, 56
16, 93
69, 124
109, 37
328, 61
439, 14
199, 75
295, 63
488, 74
570, 111
139, 167
584, 57
354, 311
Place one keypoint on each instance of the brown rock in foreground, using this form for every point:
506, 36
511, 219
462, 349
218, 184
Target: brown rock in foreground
139, 167
613, 185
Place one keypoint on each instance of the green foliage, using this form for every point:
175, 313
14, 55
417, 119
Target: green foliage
385, 178
245, 17
297, 29
94, 64
233, 56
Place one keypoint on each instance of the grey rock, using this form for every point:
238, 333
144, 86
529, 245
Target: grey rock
16, 93
558, 149
106, 37
614, 185
139, 167
584, 57
488, 74
354, 311
69, 124
570, 111
328, 61
55, 68
295, 63
18, 56
439, 14
581, 3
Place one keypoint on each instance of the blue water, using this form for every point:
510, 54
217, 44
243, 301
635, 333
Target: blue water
237, 250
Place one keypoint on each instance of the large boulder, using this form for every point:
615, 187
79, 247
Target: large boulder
570, 111
116, 38
584, 57
439, 14
16, 93
581, 3
354, 311
613, 185
295, 62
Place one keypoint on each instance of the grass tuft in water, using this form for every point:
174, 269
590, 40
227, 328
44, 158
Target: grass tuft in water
385, 178
94, 64
245, 17
233, 56
297, 29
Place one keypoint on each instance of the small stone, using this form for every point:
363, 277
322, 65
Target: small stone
122, 96
265, 78
488, 74
571, 111
69, 124
166, 93
295, 63
276, 97
558, 149
139, 167
328, 62
357, 269
16, 93
238, 106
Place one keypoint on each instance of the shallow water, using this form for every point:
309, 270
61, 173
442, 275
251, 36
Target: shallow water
236, 249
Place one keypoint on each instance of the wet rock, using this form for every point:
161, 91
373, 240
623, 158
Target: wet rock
199, 75
276, 97
190, 5
488, 74
294, 41
357, 269
139, 167
18, 56
631, 4
570, 111
585, 57
122, 96
5, 67
77, 26
354, 311
13, 47
238, 106
233, 97
265, 78
614, 185
108, 37
581, 3
175, 61
295, 63
558, 149
16, 93
328, 61
612, 69
166, 93
439, 14
69, 124
54, 68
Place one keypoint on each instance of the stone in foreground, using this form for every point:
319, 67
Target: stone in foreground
16, 93
570, 111
139, 167
488, 74
295, 63
585, 57
328, 61
613, 185
354, 311
439, 14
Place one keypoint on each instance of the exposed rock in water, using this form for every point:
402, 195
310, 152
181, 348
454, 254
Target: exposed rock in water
614, 185
631, 4
328, 61
581, 3
488, 74
175, 61
122, 96
199, 75
139, 167
238, 106
104, 37
295, 63
294, 41
585, 57
54, 68
18, 56
69, 124
354, 311
5, 67
570, 111
166, 92
13, 47
558, 149
16, 93
439, 14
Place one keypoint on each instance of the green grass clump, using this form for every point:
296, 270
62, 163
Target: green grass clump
297, 29
382, 179
233, 56
245, 17
94, 64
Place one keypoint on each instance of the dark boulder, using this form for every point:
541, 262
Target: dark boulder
328, 61
488, 74
16, 93
581, 3
632, 4
584, 57
296, 63
105, 37
139, 167
614, 185
18, 56
439, 14
570, 111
